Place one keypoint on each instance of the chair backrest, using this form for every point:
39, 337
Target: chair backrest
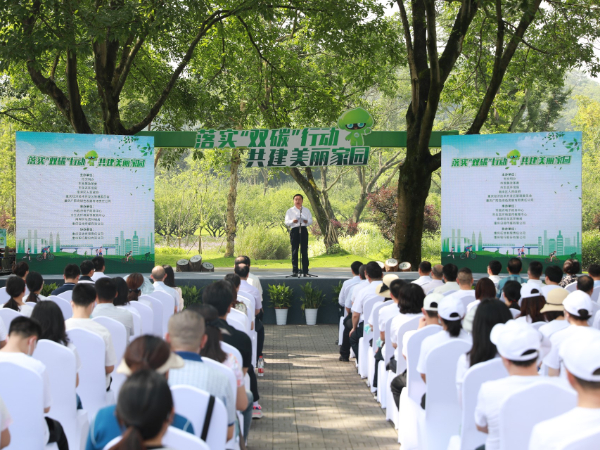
375, 313
32, 304
237, 323
26, 406
173, 438
168, 303
191, 403
7, 315
250, 305
537, 325
225, 371
120, 339
67, 295
571, 287
414, 382
240, 316
146, 314
389, 348
442, 412
234, 351
92, 375
596, 323
137, 322
588, 441
368, 307
410, 324
523, 409
63, 304
157, 321
475, 376
4, 297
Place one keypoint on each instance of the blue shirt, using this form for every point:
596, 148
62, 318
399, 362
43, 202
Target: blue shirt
105, 428
64, 288
508, 278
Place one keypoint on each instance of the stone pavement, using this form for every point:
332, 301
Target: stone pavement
313, 401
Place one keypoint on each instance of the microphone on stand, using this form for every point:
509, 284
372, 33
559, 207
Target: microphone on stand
301, 216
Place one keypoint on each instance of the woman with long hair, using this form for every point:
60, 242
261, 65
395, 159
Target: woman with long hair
485, 288
35, 283
122, 298
134, 284
170, 281
532, 302
15, 287
511, 294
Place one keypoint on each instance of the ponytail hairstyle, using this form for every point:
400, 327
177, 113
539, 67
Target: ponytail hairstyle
212, 349
145, 403
453, 326
170, 276
21, 269
146, 353
15, 286
134, 283
52, 321
34, 282
122, 292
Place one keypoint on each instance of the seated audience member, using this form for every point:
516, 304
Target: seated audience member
450, 311
392, 310
514, 269
253, 280
465, 293
159, 275
220, 295
23, 335
186, 337
145, 409
494, 268
71, 276
106, 292
21, 270
532, 302
519, 346
34, 284
87, 271
5, 422
134, 283
484, 288
99, 268
534, 272
410, 305
554, 312
450, 272
511, 294
243, 271
424, 271
354, 268
553, 276
437, 279
83, 301
170, 282
15, 288
374, 276
571, 268
581, 358
350, 297
237, 304
122, 292
488, 313
430, 317
144, 353
578, 306
212, 349
585, 283
594, 272
383, 291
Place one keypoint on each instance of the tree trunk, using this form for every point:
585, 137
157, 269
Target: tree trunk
231, 227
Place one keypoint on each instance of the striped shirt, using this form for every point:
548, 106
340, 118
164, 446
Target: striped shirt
199, 375
119, 314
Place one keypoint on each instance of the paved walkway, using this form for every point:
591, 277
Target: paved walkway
311, 400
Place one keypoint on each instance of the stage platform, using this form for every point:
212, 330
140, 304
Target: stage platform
326, 279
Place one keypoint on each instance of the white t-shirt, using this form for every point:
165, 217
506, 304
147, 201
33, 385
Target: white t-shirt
433, 341
386, 313
363, 296
422, 281
433, 284
552, 327
98, 275
547, 288
495, 279
398, 321
465, 296
353, 292
5, 419
552, 434
538, 283
3, 332
491, 396
450, 286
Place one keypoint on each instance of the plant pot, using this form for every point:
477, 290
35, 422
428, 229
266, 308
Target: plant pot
311, 316
281, 315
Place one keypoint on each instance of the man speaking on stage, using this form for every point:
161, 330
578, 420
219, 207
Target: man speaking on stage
297, 219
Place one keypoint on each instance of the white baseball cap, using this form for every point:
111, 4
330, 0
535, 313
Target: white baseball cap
432, 301
581, 354
576, 301
530, 290
451, 308
514, 338
383, 289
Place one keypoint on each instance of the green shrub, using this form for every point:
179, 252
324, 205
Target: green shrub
191, 295
368, 242
171, 251
260, 243
312, 298
431, 248
280, 296
336, 292
590, 249
47, 289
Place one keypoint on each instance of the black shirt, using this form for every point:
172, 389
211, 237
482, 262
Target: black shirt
237, 339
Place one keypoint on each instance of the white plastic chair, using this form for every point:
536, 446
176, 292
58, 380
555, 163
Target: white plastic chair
191, 403
382, 378
363, 342
62, 372
173, 438
92, 375
571, 287
523, 409
4, 297
372, 349
242, 318
32, 304
67, 295
537, 325
475, 376
137, 322
157, 309
237, 323
146, 314
64, 305
26, 407
168, 303
588, 441
596, 323
234, 351
7, 315
118, 333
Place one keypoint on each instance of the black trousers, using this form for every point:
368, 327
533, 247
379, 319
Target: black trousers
378, 357
358, 333
57, 434
299, 241
260, 336
397, 384
345, 344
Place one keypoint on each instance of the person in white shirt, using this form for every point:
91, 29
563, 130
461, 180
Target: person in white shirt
581, 357
383, 291
424, 274
519, 345
554, 312
465, 292
106, 292
23, 335
532, 302
374, 274
437, 275
99, 268
350, 297
585, 283
253, 280
578, 306
534, 273
242, 271
553, 276
483, 289
297, 219
389, 289
354, 268
169, 281
494, 268
158, 276
5, 422
410, 305
15, 288
83, 302
594, 272
35, 284
450, 273
511, 296
87, 271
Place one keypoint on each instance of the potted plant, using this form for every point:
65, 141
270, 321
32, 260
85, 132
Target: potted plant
311, 301
281, 300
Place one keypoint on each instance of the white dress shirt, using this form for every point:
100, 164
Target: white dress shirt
346, 289
98, 275
300, 215
449, 286
254, 281
363, 296
353, 292
427, 288
423, 280
247, 288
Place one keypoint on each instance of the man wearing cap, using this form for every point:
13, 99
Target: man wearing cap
554, 311
519, 346
465, 292
553, 276
437, 275
450, 272
581, 357
350, 298
578, 310
424, 272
